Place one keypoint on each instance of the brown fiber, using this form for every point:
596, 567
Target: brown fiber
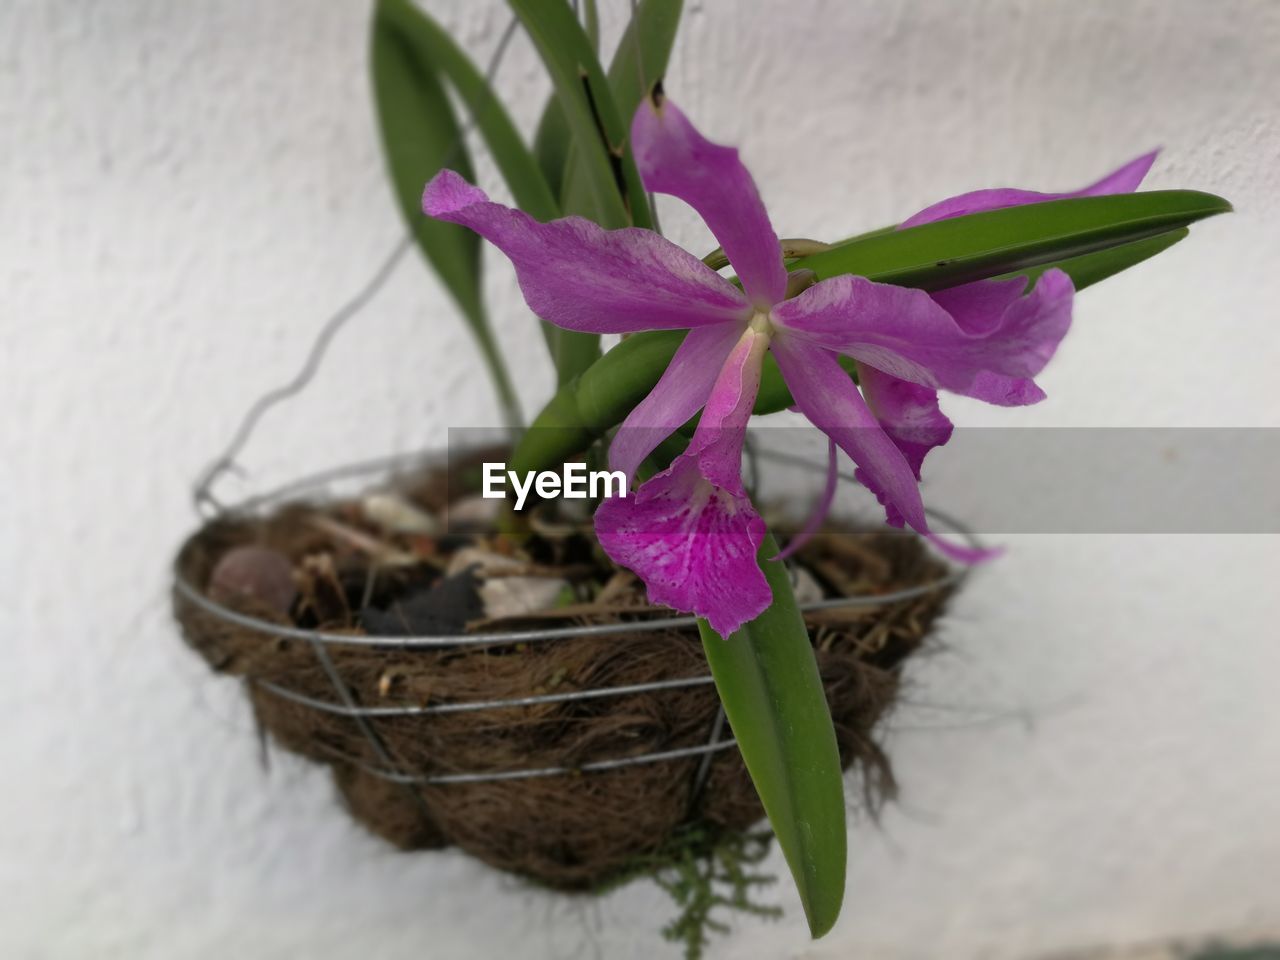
571, 831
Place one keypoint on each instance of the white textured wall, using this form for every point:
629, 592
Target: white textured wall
187, 188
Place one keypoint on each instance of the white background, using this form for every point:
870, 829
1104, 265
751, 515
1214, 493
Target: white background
188, 189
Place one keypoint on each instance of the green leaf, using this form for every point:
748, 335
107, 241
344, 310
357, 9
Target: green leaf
599, 134
640, 60
420, 135
514, 160
551, 144
591, 23
554, 145
962, 249
1091, 268
772, 694
583, 409
571, 351
643, 52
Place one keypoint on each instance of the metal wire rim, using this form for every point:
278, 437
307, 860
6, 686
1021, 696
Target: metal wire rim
195, 596
595, 766
536, 636
468, 706
362, 714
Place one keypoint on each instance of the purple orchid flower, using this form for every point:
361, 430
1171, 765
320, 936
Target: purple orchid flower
691, 532
908, 411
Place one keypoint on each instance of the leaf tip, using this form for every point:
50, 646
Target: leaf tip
822, 911
657, 95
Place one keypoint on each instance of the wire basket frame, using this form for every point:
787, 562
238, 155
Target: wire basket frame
364, 717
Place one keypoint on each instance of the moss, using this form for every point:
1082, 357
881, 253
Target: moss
709, 873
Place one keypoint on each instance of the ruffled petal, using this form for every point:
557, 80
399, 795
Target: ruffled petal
910, 335
674, 158
825, 394
907, 412
1032, 324
977, 307
678, 395
1124, 180
690, 533
580, 276
693, 544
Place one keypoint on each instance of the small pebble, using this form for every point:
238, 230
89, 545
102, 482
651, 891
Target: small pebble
805, 587
395, 514
254, 573
471, 513
514, 596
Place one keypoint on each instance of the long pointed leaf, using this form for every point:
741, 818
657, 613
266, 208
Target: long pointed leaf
514, 159
643, 53
591, 24
599, 133
572, 126
593, 172
515, 162
772, 694
951, 252
551, 144
1091, 268
571, 351
640, 60
420, 135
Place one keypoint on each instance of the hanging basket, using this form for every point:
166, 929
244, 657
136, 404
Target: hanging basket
567, 745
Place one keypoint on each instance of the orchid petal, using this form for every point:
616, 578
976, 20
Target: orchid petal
1033, 323
907, 412
677, 396
910, 335
579, 276
674, 158
977, 307
692, 543
717, 443
690, 533
826, 395
821, 509
1124, 180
